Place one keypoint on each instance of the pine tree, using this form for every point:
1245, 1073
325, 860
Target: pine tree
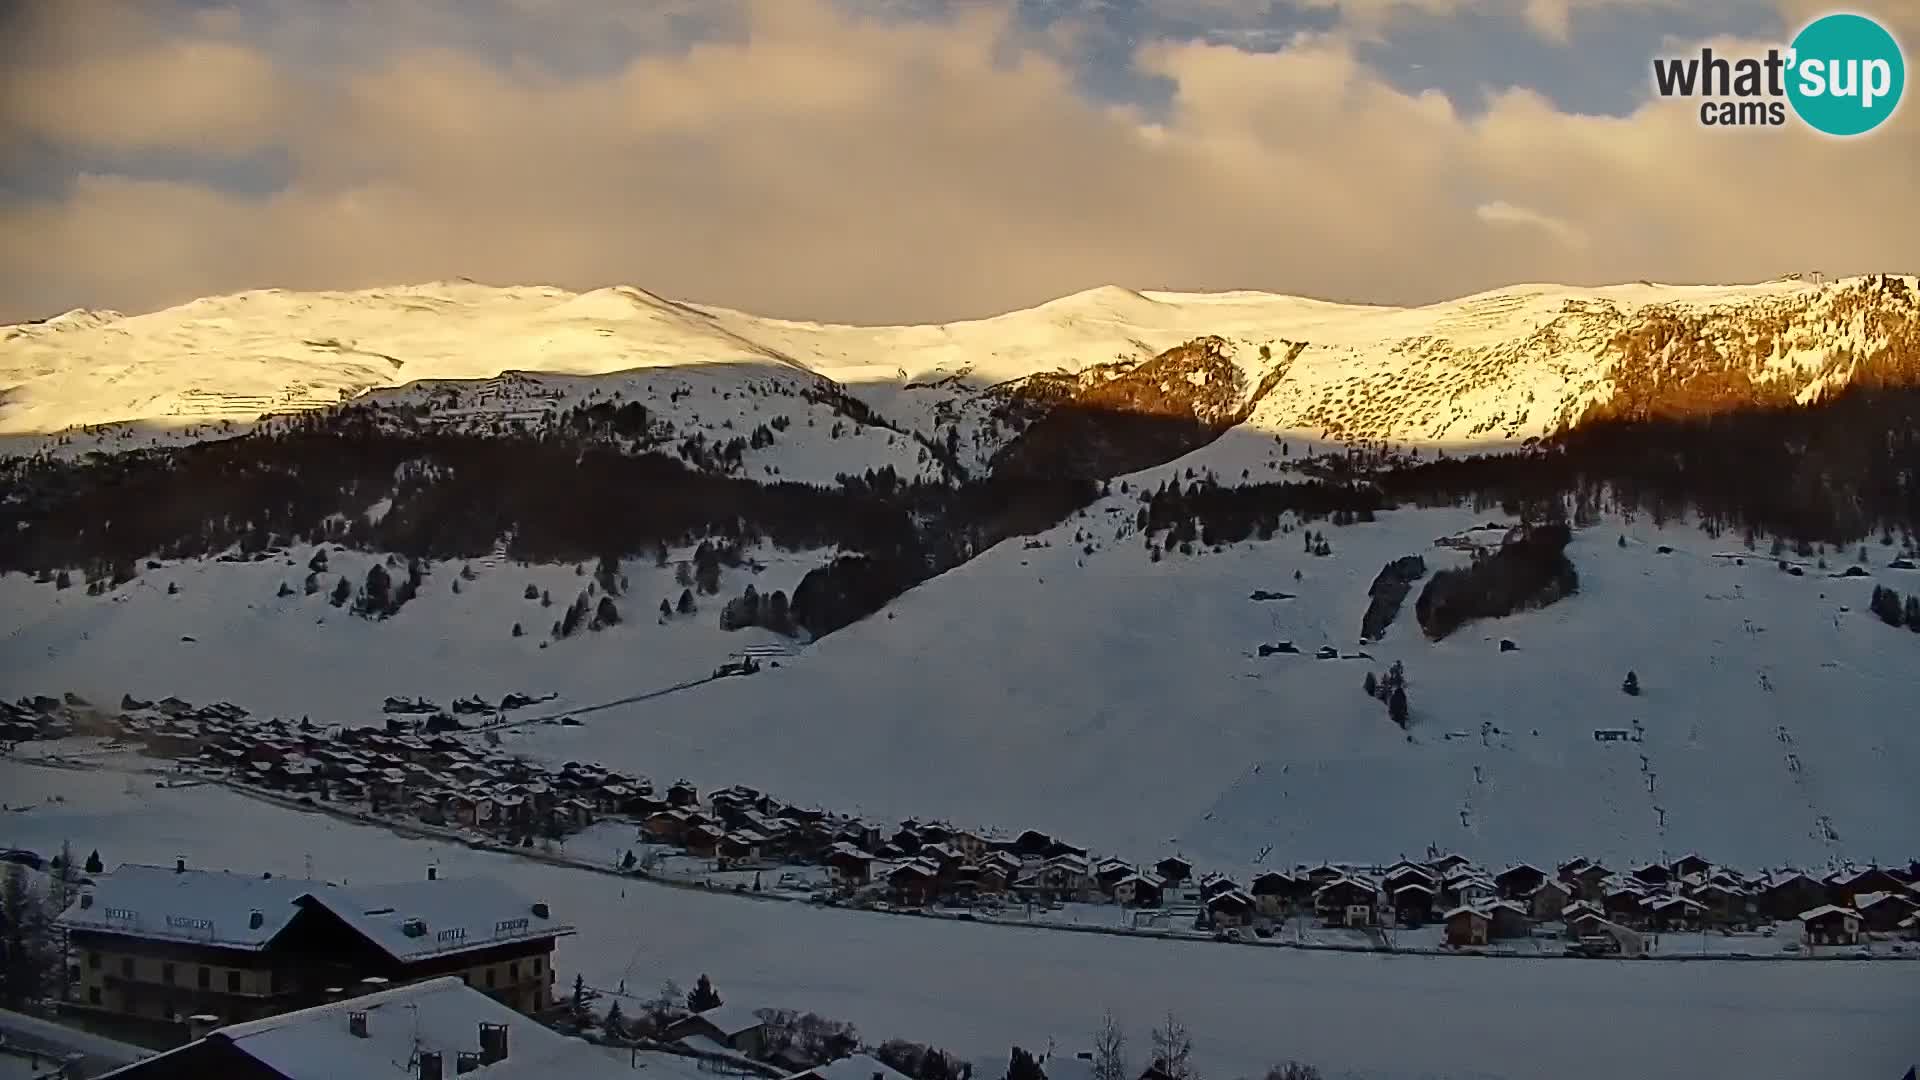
666, 609
1631, 687
532, 593
341, 593
686, 602
1371, 685
94, 865
1913, 613
606, 614
703, 996
616, 1023
1021, 1065
579, 995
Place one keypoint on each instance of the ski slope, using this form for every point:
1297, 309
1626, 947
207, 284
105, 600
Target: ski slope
1120, 703
977, 990
1491, 368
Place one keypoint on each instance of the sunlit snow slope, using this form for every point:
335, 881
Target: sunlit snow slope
1500, 366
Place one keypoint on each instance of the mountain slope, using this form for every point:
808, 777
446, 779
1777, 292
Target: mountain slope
1501, 366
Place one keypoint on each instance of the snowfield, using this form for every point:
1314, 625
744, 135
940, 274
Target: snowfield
1121, 703
977, 990
1491, 368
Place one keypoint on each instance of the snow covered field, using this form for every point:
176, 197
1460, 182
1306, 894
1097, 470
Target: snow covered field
1120, 703
977, 989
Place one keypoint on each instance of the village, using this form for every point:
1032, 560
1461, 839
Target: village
424, 769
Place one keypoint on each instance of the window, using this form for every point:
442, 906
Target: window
126, 966
166, 976
513, 972
536, 967
206, 978
233, 982
93, 960
489, 978
93, 995
273, 982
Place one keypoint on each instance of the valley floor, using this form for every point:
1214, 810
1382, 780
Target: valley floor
976, 990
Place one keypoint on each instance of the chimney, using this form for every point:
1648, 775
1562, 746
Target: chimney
493, 1043
465, 1062
180, 866
433, 873
357, 1023
432, 1065
255, 919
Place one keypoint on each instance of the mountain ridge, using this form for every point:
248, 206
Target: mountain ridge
1495, 368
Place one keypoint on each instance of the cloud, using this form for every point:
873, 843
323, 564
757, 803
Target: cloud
810, 163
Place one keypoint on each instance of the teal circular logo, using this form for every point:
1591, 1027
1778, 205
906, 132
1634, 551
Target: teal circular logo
1845, 74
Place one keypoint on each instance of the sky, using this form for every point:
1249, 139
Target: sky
881, 161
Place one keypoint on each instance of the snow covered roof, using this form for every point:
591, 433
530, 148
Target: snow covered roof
857, 1067
453, 915
441, 1015
1828, 909
202, 907
729, 1020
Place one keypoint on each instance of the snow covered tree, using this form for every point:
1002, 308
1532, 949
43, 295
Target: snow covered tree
93, 864
579, 995
284, 590
1913, 613
686, 602
63, 580
1173, 1049
518, 630
606, 614
627, 861
29, 961
1371, 685
531, 593
666, 609
1631, 687
1397, 706
1109, 1051
1293, 1070
703, 996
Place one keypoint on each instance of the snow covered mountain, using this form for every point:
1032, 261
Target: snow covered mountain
1498, 367
1082, 568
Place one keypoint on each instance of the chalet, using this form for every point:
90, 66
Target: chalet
1598, 935
1214, 884
1910, 927
1447, 864
1138, 890
1721, 905
1506, 919
1324, 874
913, 884
1691, 865
1882, 913
1468, 889
1671, 914
740, 846
1413, 903
969, 843
991, 878
1031, 843
1785, 896
1518, 881
1275, 892
1549, 900
683, 794
702, 840
1845, 886
1173, 870
1467, 926
1111, 872
850, 866
726, 1027
1831, 924
1230, 908
1652, 874
1625, 904
1347, 901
